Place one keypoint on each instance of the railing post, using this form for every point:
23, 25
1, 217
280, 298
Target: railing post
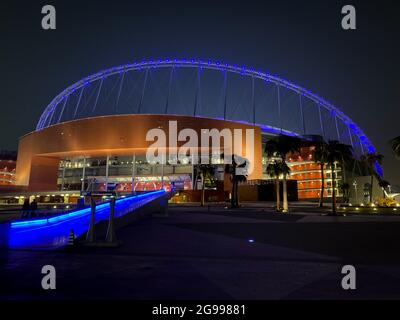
111, 237
133, 173
83, 175
164, 207
91, 234
107, 168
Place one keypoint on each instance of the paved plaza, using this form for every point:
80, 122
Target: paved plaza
218, 253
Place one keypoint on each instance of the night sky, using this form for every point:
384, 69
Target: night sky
299, 40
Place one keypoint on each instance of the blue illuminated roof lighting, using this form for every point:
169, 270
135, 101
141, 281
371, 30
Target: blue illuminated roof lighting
321, 103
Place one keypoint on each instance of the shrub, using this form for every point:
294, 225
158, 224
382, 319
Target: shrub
385, 202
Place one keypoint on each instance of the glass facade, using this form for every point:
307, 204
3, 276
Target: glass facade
118, 172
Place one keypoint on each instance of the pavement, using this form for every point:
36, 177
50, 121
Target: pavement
218, 253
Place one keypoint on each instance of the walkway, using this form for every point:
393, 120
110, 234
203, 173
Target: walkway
222, 254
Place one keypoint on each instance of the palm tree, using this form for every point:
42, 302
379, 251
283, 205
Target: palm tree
343, 166
236, 177
396, 146
281, 146
320, 156
345, 188
384, 184
206, 172
275, 170
371, 159
336, 151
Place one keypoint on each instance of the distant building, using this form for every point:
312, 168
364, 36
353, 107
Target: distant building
308, 175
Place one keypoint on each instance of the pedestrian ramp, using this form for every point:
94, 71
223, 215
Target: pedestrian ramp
54, 232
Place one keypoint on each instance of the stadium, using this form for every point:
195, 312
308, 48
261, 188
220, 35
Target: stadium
92, 136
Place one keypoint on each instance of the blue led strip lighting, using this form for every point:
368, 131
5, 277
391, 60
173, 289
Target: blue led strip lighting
122, 203
53, 232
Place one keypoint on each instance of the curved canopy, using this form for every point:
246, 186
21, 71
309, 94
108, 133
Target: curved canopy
208, 89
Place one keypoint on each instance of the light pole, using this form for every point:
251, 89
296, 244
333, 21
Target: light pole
355, 188
91, 234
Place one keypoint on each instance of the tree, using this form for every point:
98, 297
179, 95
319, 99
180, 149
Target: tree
275, 170
345, 159
281, 146
345, 188
206, 172
370, 160
320, 156
238, 174
396, 146
336, 152
384, 184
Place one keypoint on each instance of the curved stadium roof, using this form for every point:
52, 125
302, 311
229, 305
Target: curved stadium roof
209, 89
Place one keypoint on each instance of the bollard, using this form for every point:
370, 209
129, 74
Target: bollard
91, 234
71, 238
111, 237
164, 207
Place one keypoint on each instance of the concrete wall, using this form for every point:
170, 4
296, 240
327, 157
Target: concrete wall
358, 197
39, 152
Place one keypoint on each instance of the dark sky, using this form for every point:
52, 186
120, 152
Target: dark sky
299, 40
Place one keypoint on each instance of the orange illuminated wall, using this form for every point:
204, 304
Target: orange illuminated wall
39, 152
